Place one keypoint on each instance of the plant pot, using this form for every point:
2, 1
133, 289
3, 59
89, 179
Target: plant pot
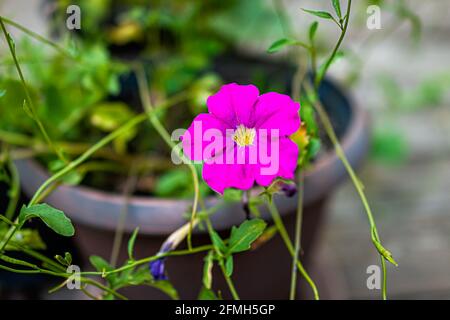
259, 274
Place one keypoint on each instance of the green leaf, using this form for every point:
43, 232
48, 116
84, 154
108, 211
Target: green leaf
232, 195
207, 294
242, 237
313, 147
131, 243
218, 242
337, 8
61, 260
100, 264
55, 219
166, 287
382, 250
27, 238
207, 270
320, 14
279, 44
312, 30
2, 93
11, 41
229, 266
68, 258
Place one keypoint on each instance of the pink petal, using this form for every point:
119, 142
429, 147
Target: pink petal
234, 104
277, 111
194, 140
287, 163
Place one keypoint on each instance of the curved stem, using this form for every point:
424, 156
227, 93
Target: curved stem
29, 101
146, 102
285, 236
298, 231
319, 76
229, 282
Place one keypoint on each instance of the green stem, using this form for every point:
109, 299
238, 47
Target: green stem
285, 236
229, 281
27, 94
319, 77
36, 36
221, 261
146, 102
14, 191
298, 230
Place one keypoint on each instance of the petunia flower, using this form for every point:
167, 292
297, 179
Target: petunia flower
243, 140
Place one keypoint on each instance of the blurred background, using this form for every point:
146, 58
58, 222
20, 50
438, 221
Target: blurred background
401, 75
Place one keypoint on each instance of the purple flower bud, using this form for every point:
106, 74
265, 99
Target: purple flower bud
157, 266
289, 189
157, 269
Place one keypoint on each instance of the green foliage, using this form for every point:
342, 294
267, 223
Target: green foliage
243, 236
389, 147
131, 243
207, 294
312, 30
320, 14
279, 44
218, 242
207, 270
229, 265
24, 238
66, 260
282, 43
131, 276
337, 7
55, 219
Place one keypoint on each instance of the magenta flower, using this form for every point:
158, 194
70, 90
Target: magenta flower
244, 138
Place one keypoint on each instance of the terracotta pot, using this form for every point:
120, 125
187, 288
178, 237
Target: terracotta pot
262, 273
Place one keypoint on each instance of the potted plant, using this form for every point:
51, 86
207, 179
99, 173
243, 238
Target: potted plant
100, 167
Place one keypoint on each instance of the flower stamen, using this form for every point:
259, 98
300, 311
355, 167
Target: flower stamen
244, 136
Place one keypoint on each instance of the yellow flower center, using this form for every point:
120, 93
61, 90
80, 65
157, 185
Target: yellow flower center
244, 136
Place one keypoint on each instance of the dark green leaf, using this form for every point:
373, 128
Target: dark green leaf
55, 219
218, 242
131, 243
312, 30
337, 7
242, 237
320, 14
207, 270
